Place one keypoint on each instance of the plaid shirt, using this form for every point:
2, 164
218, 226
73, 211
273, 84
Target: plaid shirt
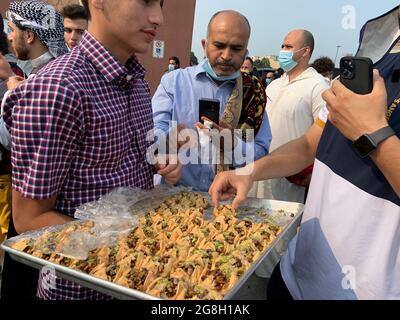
78, 130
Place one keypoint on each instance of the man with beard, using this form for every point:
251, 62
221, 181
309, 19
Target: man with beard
31, 39
241, 99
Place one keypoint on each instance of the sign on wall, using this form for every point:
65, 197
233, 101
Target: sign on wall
158, 49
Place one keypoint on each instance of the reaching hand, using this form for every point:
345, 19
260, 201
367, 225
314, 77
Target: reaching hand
223, 131
226, 184
14, 82
170, 169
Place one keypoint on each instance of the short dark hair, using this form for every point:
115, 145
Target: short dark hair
74, 11
176, 59
250, 59
323, 65
85, 4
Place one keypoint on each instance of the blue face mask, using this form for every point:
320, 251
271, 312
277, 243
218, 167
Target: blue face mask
207, 67
286, 60
171, 67
268, 81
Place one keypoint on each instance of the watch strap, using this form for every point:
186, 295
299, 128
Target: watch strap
379, 135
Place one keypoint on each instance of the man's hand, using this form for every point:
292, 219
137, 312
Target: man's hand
353, 114
14, 81
169, 168
5, 69
223, 129
226, 184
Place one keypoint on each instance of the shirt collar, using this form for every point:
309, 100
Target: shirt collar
108, 66
42, 60
305, 74
199, 68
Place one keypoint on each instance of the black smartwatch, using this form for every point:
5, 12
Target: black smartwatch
367, 143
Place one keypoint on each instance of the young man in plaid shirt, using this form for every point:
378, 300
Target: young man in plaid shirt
79, 127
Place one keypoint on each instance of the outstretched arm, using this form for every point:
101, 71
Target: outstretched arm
285, 161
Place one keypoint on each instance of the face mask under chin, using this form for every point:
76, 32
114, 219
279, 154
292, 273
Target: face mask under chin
210, 71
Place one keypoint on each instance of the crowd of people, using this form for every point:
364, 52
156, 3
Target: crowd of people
76, 126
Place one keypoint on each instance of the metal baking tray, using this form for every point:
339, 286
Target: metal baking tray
286, 214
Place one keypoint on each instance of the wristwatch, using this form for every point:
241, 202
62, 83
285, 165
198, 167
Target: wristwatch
367, 143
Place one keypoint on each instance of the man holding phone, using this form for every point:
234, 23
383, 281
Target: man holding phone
348, 243
352, 214
184, 96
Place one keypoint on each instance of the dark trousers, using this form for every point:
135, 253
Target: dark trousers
277, 290
19, 282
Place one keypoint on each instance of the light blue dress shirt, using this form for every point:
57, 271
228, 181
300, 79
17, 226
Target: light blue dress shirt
177, 99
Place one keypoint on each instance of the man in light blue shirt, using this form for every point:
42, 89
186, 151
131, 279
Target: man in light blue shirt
217, 77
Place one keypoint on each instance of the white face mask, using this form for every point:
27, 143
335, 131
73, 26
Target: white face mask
210, 71
171, 67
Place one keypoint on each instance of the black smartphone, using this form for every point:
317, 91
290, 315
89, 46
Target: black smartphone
209, 108
356, 73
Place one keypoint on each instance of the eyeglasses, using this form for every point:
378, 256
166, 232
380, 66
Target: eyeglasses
69, 30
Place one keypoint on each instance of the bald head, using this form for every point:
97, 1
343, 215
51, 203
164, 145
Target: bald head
227, 39
304, 39
229, 17
308, 40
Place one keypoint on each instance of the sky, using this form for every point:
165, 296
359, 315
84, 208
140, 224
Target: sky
333, 22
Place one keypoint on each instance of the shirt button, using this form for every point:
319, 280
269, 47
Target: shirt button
129, 77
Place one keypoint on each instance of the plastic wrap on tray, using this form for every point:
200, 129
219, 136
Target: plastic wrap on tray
104, 233
74, 239
125, 202
166, 242
100, 223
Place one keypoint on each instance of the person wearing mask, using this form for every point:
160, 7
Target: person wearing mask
347, 246
240, 97
294, 102
75, 24
173, 64
270, 76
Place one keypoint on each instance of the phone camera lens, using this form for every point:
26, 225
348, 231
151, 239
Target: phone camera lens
347, 70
